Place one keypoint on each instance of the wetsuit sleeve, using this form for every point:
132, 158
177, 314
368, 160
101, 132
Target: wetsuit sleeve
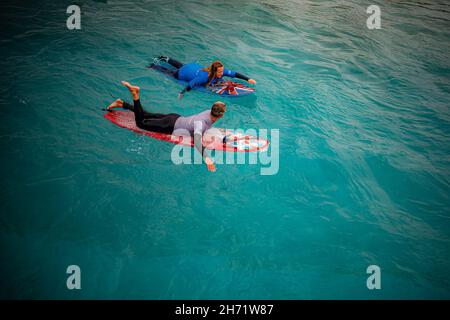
193, 83
188, 88
229, 73
198, 137
199, 127
233, 74
241, 76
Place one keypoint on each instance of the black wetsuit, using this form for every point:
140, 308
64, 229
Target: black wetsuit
156, 122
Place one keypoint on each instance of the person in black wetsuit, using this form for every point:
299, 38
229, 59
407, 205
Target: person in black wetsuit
196, 75
173, 123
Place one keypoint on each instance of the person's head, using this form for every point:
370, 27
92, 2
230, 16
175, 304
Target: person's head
215, 70
218, 109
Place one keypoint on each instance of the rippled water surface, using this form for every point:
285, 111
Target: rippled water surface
364, 155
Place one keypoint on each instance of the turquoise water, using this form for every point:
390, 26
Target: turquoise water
364, 155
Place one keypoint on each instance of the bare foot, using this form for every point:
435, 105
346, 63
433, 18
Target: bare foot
133, 89
116, 104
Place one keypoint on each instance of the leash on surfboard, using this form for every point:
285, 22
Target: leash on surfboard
104, 109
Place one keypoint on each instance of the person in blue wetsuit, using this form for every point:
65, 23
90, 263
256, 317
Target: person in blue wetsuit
196, 75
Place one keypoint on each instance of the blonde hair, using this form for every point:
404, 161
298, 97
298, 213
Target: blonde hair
212, 71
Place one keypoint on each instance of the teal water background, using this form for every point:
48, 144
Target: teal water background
364, 152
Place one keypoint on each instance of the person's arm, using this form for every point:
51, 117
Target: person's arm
182, 92
233, 74
200, 148
193, 83
198, 144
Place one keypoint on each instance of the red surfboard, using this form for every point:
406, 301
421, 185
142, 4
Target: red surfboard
235, 142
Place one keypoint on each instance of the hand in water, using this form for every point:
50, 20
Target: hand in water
180, 96
210, 165
251, 81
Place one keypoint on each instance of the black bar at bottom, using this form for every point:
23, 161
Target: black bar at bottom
217, 309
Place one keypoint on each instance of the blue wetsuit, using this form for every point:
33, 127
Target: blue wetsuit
196, 77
